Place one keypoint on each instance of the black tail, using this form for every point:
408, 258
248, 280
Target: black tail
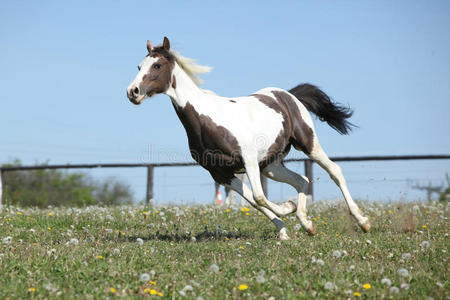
323, 107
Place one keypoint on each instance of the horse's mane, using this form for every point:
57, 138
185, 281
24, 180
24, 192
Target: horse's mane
191, 68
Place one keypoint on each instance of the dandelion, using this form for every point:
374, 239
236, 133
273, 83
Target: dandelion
116, 251
425, 244
228, 210
112, 290
406, 256
74, 241
140, 241
241, 248
297, 226
242, 287
19, 213
153, 292
214, 268
50, 214
403, 272
145, 277
7, 240
424, 226
328, 285
247, 214
336, 254
100, 257
49, 228
152, 282
394, 290
356, 294
404, 286
260, 279
32, 289
386, 281
367, 286
320, 262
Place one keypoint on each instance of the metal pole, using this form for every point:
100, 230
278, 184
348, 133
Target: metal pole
309, 174
149, 196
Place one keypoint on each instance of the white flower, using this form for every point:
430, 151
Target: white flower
352, 267
109, 230
74, 241
348, 292
390, 255
32, 230
328, 285
214, 268
404, 286
336, 254
394, 290
116, 251
425, 244
145, 277
369, 242
140, 241
406, 256
69, 232
386, 281
403, 272
439, 284
297, 226
7, 240
260, 279
320, 262
188, 288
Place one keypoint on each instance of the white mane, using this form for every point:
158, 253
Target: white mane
191, 68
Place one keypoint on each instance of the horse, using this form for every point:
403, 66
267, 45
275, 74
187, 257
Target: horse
230, 197
251, 134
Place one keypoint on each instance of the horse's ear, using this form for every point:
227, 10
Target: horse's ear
166, 44
149, 46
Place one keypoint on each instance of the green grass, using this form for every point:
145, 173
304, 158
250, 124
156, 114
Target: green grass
179, 248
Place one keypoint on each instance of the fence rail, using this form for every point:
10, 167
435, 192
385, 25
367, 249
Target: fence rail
151, 166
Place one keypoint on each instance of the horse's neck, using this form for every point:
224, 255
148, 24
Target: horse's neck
184, 90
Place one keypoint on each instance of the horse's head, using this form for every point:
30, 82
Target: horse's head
155, 73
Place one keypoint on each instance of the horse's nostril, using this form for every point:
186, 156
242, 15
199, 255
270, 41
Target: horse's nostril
136, 91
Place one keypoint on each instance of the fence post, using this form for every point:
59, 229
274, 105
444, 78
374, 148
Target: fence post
149, 196
264, 184
309, 174
1, 189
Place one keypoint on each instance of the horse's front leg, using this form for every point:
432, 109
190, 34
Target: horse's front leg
242, 189
253, 173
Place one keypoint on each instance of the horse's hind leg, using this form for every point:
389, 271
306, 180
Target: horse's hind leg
277, 171
237, 185
319, 156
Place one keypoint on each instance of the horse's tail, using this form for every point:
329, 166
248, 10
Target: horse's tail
322, 106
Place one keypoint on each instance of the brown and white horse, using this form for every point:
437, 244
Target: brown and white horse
249, 134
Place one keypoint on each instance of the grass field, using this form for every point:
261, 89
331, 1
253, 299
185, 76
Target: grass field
213, 253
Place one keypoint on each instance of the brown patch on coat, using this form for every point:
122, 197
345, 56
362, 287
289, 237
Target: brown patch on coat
295, 131
211, 145
157, 80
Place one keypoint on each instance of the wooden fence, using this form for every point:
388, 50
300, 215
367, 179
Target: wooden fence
151, 167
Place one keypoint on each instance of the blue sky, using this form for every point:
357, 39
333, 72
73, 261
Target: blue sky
65, 67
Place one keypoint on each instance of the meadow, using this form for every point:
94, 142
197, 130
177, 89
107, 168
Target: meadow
205, 252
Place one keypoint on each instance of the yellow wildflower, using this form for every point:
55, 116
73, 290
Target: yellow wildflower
240, 247
32, 289
337, 234
367, 286
112, 290
153, 292
50, 214
49, 228
247, 214
242, 287
19, 213
315, 219
152, 282
228, 210
123, 233
424, 226
100, 257
160, 294
357, 294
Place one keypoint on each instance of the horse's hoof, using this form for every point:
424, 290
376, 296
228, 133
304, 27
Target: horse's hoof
283, 236
312, 230
365, 226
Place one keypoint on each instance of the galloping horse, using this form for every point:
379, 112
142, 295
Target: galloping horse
249, 134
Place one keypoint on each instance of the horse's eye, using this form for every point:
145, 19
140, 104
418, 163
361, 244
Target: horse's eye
157, 66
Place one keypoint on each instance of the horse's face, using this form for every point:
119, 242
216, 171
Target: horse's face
155, 73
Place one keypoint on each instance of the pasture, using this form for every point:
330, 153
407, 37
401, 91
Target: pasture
205, 252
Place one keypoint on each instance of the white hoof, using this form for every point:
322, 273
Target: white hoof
283, 235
